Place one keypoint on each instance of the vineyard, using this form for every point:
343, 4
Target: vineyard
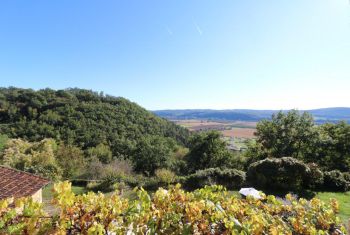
210, 210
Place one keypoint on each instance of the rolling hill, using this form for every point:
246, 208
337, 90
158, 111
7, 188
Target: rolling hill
320, 115
83, 118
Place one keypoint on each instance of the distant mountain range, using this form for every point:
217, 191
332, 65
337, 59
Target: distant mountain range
320, 115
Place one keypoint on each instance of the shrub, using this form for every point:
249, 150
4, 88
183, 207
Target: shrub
35, 157
112, 176
92, 185
96, 170
336, 181
71, 160
230, 178
165, 176
119, 186
280, 174
346, 176
316, 180
101, 152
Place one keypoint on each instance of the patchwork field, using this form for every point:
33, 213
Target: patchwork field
235, 129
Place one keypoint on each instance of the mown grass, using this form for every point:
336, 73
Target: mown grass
78, 190
342, 198
47, 191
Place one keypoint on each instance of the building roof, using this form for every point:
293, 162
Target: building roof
15, 183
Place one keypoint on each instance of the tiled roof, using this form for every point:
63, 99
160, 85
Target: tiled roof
15, 183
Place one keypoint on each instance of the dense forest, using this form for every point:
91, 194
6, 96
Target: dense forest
82, 118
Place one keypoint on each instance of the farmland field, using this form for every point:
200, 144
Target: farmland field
236, 133
233, 129
239, 132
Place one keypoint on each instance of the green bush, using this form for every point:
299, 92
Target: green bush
92, 185
165, 176
280, 174
230, 178
316, 180
336, 181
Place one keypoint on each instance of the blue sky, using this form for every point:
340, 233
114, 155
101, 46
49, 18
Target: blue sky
169, 54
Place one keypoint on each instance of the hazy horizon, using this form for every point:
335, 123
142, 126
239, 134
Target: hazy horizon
254, 109
184, 54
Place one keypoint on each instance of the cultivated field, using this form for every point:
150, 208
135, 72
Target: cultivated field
239, 133
235, 129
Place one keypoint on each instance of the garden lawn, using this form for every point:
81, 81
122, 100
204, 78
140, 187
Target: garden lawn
342, 198
47, 191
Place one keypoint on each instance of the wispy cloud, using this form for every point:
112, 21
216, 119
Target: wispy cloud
199, 30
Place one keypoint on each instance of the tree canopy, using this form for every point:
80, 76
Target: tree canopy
86, 119
208, 150
294, 134
287, 134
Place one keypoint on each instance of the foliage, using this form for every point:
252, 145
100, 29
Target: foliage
280, 174
96, 170
336, 181
287, 134
230, 178
294, 134
210, 210
23, 216
110, 176
178, 162
334, 146
3, 140
316, 180
102, 152
71, 160
82, 118
153, 153
343, 200
38, 157
208, 150
165, 176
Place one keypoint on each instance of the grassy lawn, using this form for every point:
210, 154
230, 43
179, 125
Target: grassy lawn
343, 199
47, 191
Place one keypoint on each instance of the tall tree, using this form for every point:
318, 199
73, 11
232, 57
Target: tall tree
334, 146
153, 153
208, 150
291, 134
71, 160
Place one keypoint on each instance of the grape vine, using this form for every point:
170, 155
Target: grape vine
210, 210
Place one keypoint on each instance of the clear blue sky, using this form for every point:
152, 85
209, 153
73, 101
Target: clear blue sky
171, 54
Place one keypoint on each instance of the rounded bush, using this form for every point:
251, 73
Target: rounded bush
336, 181
230, 178
280, 174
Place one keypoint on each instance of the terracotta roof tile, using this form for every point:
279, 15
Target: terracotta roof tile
15, 183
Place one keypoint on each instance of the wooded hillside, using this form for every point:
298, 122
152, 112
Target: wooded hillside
83, 118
